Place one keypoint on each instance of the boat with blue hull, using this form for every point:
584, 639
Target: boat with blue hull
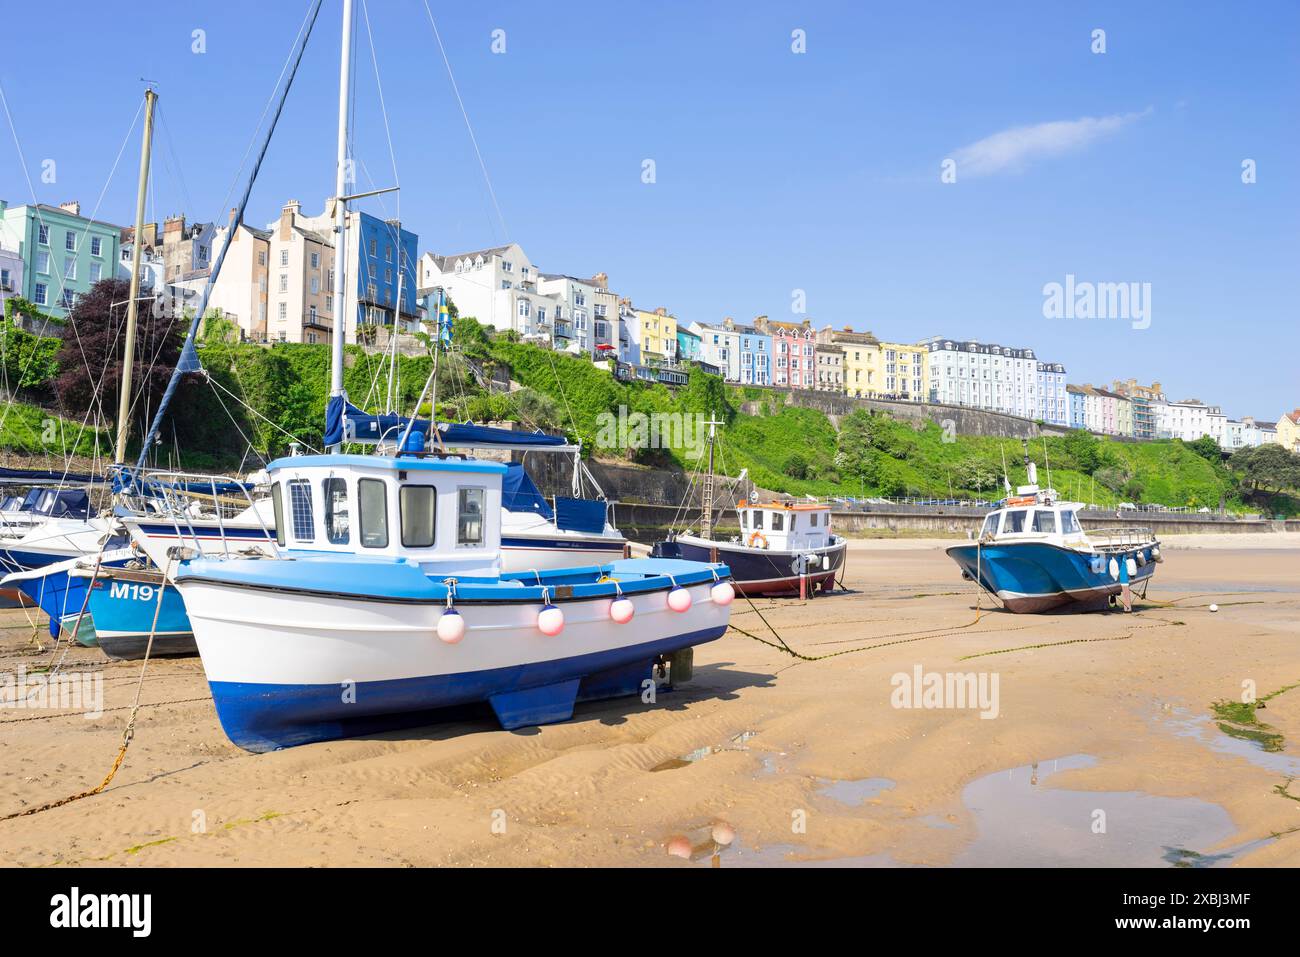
135, 611
1033, 554
61, 592
384, 604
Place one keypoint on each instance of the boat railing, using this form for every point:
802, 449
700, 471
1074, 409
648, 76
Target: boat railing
1115, 539
191, 502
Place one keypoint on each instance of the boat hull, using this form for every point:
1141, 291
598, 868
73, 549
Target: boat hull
62, 596
289, 666
1035, 577
124, 609
760, 571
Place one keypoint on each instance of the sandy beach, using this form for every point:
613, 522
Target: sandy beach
1096, 743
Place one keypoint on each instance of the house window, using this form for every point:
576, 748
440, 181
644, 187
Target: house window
70, 241
42, 294
469, 517
70, 267
336, 510
284, 311
374, 247
315, 260
43, 235
284, 257
96, 270
418, 514
312, 313
315, 285
43, 263
96, 246
261, 257
284, 282
67, 298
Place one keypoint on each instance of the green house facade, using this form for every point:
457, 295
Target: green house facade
63, 252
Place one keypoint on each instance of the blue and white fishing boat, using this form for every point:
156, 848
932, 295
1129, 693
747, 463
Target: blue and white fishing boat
1033, 554
385, 602
60, 590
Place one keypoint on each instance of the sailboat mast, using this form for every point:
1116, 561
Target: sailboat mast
339, 332
706, 512
133, 302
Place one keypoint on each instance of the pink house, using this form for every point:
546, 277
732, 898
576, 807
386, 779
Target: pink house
794, 361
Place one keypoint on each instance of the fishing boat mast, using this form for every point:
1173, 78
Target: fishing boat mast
133, 302
341, 178
706, 512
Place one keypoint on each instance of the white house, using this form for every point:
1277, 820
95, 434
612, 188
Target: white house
985, 376
575, 299
498, 287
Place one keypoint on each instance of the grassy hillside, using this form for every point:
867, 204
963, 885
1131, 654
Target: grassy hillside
31, 430
786, 448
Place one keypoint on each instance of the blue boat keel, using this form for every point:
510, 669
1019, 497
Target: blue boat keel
544, 705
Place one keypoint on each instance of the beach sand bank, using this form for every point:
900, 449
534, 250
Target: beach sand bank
1103, 747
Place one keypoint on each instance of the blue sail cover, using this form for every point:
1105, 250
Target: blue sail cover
579, 515
519, 494
367, 427
28, 476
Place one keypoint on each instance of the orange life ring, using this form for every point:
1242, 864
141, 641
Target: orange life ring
757, 536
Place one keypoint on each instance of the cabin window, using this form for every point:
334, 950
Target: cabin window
812, 520
778, 522
277, 505
794, 520
744, 519
469, 517
335, 491
418, 504
1045, 521
1013, 522
990, 525
300, 508
372, 502
758, 519
1069, 523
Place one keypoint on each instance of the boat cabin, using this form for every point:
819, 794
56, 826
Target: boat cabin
785, 526
1034, 520
442, 512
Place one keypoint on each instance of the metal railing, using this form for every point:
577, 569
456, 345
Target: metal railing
197, 505
1121, 538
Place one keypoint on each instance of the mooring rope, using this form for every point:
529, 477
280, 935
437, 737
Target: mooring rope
127, 734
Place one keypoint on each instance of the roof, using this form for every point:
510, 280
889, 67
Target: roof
442, 261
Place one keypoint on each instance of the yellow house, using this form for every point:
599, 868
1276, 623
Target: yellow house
1288, 431
658, 334
861, 360
904, 371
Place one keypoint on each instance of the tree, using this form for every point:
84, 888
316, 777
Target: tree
1267, 470
1085, 450
1207, 448
90, 357
796, 466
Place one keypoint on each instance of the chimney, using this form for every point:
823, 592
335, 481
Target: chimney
600, 280
173, 229
661, 311
72, 207
288, 213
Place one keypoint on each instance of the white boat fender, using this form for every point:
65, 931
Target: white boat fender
679, 599
550, 620
722, 593
621, 608
451, 626
1131, 567
1113, 568
1155, 553
1142, 558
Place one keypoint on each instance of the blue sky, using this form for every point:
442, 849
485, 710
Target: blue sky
775, 171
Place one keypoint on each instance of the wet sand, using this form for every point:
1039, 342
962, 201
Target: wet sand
1103, 750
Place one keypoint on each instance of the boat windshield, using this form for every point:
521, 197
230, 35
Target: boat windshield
990, 524
1069, 523
1013, 522
1045, 521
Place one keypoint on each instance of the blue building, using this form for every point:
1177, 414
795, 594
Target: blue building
755, 356
1078, 418
385, 248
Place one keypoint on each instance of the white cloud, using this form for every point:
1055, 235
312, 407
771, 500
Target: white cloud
1016, 148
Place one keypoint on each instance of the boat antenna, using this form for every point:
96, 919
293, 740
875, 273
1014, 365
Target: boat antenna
1006, 479
189, 357
1047, 463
